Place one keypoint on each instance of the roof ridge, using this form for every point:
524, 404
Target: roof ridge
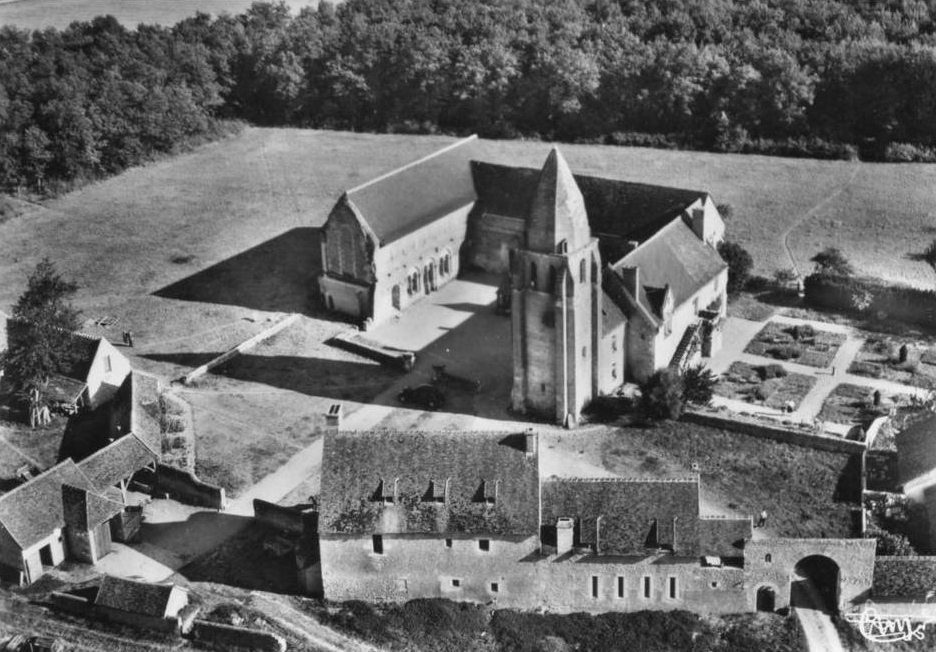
666, 226
114, 443
411, 164
692, 477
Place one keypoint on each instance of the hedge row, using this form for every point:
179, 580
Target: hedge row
870, 296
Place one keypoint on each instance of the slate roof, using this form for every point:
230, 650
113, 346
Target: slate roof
31, 511
623, 209
477, 465
611, 315
916, 449
86, 510
627, 508
414, 195
144, 409
117, 461
673, 257
136, 597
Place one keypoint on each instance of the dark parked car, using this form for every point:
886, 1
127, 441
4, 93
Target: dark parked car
424, 396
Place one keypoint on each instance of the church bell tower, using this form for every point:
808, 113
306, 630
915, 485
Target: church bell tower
555, 301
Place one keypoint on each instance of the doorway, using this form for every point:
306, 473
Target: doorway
766, 599
45, 555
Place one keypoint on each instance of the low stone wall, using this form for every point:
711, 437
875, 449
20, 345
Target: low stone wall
286, 519
141, 621
186, 488
904, 577
403, 360
772, 430
229, 637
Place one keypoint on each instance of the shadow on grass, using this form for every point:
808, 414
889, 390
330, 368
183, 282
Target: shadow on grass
278, 275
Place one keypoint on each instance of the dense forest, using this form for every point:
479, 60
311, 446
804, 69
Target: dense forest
828, 78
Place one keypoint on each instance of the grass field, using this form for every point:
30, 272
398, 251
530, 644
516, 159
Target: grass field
37, 14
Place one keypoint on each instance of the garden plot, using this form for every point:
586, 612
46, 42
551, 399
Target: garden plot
898, 360
801, 344
855, 405
769, 385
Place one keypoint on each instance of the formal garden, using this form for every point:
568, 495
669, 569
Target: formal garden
800, 343
896, 359
770, 385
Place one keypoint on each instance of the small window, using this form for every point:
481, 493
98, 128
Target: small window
672, 588
107, 364
495, 587
714, 585
614, 342
582, 271
448, 543
532, 275
562, 247
584, 351
768, 558
620, 587
647, 586
484, 545
377, 541
401, 585
542, 388
456, 583
594, 586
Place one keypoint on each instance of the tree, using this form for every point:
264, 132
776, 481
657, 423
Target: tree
698, 384
832, 261
42, 322
662, 395
890, 544
739, 262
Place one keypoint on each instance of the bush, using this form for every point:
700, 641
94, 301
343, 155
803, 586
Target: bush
641, 139
739, 262
864, 368
831, 261
699, 385
662, 395
771, 371
783, 352
890, 544
908, 153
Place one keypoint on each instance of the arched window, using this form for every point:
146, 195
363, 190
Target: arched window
553, 274
562, 247
582, 271
768, 558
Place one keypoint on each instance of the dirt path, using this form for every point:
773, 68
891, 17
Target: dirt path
321, 637
821, 635
828, 199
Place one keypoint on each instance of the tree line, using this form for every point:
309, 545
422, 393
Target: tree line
808, 77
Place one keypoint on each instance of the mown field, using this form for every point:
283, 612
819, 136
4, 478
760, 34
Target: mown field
37, 14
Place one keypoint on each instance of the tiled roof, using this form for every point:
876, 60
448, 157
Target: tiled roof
62, 389
724, 537
414, 195
137, 597
611, 314
478, 466
85, 510
116, 461
31, 511
916, 449
628, 509
677, 258
621, 209
144, 410
557, 211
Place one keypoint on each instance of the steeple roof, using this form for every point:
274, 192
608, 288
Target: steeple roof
557, 211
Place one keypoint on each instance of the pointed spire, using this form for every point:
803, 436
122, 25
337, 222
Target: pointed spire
557, 212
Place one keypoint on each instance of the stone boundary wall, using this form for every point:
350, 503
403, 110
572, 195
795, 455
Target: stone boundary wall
240, 348
403, 360
775, 431
186, 488
141, 621
229, 637
904, 577
286, 519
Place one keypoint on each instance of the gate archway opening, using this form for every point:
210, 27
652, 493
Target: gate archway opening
816, 584
766, 599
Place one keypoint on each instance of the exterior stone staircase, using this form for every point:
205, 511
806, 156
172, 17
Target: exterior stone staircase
688, 345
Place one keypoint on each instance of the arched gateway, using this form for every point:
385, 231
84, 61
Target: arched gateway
816, 583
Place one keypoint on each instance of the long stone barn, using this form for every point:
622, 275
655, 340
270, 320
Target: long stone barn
467, 516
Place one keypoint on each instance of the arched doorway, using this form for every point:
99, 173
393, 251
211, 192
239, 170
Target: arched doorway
816, 584
766, 599
395, 296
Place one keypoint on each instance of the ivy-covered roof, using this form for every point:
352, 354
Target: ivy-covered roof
389, 482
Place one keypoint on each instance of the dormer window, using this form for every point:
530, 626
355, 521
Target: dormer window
386, 492
437, 491
487, 492
562, 247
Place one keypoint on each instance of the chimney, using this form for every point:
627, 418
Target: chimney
565, 531
530, 442
631, 245
697, 222
333, 416
631, 278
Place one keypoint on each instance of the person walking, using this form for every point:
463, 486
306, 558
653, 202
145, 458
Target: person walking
762, 519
